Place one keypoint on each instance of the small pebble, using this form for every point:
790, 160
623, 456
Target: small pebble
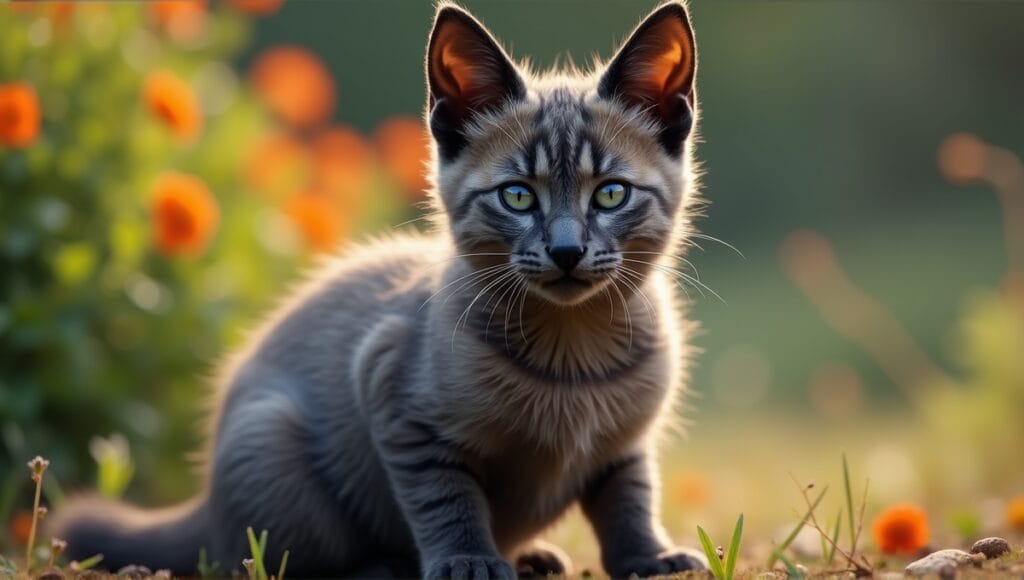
942, 563
134, 572
51, 573
992, 548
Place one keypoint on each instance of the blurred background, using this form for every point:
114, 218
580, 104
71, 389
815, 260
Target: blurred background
169, 169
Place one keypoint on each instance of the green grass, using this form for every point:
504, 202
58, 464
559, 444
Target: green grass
255, 566
728, 571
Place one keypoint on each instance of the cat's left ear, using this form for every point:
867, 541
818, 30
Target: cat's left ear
467, 73
654, 70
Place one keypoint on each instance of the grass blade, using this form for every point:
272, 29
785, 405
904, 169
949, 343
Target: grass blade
90, 562
796, 530
830, 554
734, 549
284, 564
714, 562
263, 543
257, 555
849, 501
791, 568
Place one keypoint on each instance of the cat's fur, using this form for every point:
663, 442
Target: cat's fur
428, 405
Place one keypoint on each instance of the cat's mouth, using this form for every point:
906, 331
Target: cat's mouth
568, 289
567, 282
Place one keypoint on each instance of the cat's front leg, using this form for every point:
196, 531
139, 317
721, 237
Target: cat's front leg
618, 502
442, 501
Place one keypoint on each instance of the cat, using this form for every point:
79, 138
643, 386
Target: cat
427, 405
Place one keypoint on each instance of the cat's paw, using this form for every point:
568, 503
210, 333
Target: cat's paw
543, 559
469, 567
668, 562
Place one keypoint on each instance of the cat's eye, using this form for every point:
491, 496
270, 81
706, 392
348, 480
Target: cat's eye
518, 197
611, 195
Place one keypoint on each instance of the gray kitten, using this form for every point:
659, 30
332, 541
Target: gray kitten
429, 405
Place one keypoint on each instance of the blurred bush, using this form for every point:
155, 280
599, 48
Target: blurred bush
153, 203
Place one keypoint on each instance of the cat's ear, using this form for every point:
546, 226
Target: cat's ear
655, 70
467, 72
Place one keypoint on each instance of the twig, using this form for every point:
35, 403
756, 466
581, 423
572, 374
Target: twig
38, 467
860, 516
861, 568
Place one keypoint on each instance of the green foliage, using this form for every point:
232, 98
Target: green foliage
980, 418
7, 567
207, 569
796, 529
89, 562
734, 549
728, 571
828, 548
258, 549
115, 467
791, 568
714, 560
849, 503
99, 333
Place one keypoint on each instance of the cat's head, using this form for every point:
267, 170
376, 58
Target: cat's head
576, 180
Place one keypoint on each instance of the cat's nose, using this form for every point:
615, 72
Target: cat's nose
566, 257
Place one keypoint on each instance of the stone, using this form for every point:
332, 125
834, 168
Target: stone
943, 563
51, 573
134, 572
992, 548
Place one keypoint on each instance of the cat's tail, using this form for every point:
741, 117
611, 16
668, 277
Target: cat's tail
164, 539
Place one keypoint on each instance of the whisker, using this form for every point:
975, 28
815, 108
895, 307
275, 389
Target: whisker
636, 288
512, 284
522, 306
677, 257
693, 281
465, 313
521, 286
697, 284
611, 304
625, 309
714, 239
456, 281
407, 222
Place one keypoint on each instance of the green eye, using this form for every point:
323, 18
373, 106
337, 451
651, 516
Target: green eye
518, 197
611, 195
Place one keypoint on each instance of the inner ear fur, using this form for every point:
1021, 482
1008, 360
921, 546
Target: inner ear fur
467, 72
655, 70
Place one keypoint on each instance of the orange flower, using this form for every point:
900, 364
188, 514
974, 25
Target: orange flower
343, 162
317, 219
901, 529
19, 114
691, 488
172, 101
295, 85
1015, 513
257, 7
277, 163
185, 214
20, 525
183, 20
404, 147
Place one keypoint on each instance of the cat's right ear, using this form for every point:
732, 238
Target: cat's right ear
467, 72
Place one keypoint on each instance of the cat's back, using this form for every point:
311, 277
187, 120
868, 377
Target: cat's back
314, 334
